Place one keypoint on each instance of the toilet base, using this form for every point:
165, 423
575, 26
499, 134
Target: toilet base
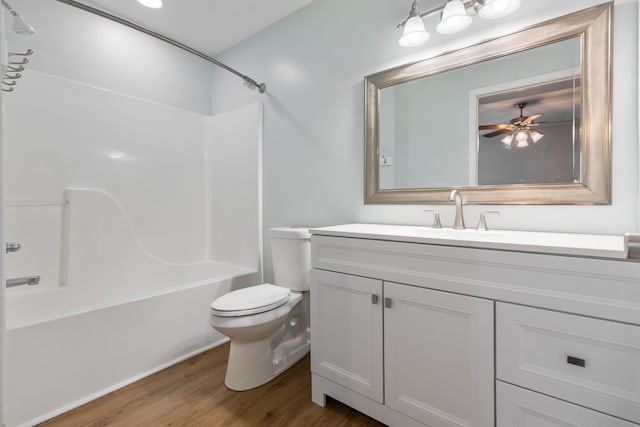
252, 364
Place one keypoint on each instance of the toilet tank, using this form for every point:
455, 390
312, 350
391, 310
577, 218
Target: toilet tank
291, 253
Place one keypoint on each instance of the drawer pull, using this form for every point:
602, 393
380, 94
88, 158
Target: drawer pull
387, 302
576, 361
374, 299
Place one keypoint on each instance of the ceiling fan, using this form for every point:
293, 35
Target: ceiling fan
521, 129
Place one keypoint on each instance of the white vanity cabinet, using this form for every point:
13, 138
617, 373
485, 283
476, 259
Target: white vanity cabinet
437, 351
409, 333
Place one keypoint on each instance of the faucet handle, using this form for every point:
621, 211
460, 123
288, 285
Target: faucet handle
482, 224
436, 218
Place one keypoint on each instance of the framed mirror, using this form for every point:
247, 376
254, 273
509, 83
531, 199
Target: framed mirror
522, 119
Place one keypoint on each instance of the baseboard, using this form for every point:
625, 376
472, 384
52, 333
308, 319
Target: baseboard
119, 385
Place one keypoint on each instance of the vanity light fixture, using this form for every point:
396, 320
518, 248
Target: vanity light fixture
455, 16
498, 8
19, 26
153, 4
414, 33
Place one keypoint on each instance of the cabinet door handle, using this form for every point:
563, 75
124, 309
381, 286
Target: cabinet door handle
571, 360
387, 302
374, 299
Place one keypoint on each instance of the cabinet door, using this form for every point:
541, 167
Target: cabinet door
346, 331
518, 407
439, 356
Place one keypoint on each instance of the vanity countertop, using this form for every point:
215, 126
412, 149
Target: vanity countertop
586, 245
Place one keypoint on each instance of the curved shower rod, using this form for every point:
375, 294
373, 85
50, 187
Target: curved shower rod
247, 80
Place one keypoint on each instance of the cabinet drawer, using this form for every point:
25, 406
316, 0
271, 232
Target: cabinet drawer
594, 363
517, 407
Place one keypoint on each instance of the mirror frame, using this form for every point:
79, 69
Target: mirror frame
593, 25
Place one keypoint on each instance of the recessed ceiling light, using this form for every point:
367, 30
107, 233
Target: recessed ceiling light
154, 4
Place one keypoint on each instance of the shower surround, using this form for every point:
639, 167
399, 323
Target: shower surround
136, 215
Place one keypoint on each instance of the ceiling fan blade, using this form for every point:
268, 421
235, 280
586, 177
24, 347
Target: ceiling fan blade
556, 122
530, 119
496, 133
503, 126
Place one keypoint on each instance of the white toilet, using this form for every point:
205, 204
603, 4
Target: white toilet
267, 324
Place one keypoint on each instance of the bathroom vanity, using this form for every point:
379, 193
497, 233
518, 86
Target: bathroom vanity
416, 326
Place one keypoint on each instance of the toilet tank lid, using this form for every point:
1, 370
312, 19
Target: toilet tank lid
290, 232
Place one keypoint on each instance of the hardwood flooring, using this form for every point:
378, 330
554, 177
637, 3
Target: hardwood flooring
192, 393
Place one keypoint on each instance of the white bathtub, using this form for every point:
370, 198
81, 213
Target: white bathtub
60, 356
116, 314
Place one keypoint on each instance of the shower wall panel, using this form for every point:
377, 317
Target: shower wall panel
234, 185
62, 134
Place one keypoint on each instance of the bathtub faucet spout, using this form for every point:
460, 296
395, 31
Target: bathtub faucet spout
28, 280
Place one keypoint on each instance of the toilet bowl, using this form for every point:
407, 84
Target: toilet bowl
267, 324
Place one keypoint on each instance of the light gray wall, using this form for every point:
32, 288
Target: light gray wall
314, 61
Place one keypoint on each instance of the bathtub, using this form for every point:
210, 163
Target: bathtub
65, 356
116, 314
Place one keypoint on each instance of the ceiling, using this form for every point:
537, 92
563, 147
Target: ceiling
209, 26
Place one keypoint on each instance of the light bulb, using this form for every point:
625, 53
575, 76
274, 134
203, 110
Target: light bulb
153, 4
454, 18
498, 8
414, 33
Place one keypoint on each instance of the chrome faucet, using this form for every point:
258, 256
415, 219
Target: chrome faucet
455, 196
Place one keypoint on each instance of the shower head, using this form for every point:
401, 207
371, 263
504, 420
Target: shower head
20, 26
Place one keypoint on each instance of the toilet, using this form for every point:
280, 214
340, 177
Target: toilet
267, 324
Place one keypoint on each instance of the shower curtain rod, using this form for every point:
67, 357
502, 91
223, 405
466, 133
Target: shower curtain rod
248, 80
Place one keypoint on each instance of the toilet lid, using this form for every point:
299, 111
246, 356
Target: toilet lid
251, 300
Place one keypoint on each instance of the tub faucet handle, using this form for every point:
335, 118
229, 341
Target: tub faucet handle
436, 218
482, 224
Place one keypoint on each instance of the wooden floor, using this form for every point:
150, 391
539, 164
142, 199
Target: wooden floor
192, 393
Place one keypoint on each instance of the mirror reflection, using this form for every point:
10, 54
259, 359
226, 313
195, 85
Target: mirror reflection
531, 135
514, 119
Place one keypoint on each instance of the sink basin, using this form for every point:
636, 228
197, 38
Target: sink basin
589, 245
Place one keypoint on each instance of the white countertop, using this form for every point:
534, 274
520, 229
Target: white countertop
588, 245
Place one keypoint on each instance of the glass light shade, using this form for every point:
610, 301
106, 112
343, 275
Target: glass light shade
454, 18
535, 135
153, 4
414, 33
498, 8
522, 136
507, 140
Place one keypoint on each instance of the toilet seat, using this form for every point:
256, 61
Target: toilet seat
251, 300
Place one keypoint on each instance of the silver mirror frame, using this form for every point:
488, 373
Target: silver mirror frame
593, 25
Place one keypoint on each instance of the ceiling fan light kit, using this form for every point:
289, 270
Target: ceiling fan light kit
455, 16
521, 130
